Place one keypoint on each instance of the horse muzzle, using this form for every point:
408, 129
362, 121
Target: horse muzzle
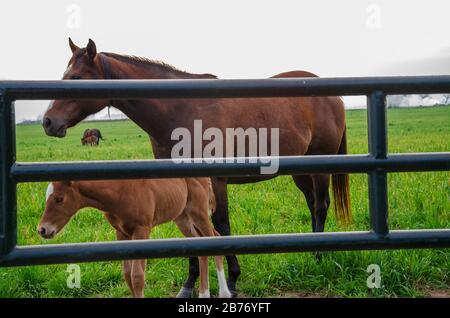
46, 231
53, 128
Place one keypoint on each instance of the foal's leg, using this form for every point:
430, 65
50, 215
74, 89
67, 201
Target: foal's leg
126, 265
187, 291
188, 288
224, 292
138, 277
138, 266
185, 225
203, 290
221, 223
202, 229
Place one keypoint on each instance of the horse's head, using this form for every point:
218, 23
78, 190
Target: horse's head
62, 202
84, 64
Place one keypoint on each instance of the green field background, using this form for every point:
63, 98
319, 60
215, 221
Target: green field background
416, 201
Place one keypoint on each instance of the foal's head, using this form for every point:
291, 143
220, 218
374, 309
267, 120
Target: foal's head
85, 64
62, 202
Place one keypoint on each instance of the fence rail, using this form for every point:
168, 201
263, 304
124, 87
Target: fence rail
166, 168
377, 163
252, 244
208, 88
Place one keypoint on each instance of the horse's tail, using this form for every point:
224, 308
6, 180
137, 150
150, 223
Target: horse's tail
341, 191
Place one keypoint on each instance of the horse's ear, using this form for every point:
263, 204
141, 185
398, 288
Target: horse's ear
91, 49
73, 46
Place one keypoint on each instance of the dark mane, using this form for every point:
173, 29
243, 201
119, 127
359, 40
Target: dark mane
137, 60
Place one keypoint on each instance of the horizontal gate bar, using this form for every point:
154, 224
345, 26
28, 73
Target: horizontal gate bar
166, 168
218, 88
256, 244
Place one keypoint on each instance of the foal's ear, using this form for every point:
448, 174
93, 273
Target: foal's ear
73, 46
91, 49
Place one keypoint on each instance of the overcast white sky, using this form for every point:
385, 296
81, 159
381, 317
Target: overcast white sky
230, 38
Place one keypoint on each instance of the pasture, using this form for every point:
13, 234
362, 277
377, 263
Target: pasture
416, 201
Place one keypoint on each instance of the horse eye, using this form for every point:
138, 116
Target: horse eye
75, 77
59, 199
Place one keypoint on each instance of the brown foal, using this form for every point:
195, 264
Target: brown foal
133, 208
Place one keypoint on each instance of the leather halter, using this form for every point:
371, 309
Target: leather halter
107, 73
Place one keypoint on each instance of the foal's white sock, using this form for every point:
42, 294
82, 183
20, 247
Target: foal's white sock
204, 294
224, 292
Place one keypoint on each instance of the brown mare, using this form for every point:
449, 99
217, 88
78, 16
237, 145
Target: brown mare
133, 208
91, 136
307, 126
90, 140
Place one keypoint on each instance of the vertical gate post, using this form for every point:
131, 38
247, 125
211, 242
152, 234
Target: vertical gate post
377, 132
8, 221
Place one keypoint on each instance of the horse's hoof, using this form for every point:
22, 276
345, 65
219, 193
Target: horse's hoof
232, 288
185, 293
233, 293
225, 294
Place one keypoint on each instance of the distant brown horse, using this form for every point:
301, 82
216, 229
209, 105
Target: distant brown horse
133, 208
91, 137
90, 140
307, 126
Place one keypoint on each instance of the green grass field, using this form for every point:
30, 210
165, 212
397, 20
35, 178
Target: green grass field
416, 201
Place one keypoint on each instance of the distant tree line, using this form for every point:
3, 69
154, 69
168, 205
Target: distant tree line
394, 101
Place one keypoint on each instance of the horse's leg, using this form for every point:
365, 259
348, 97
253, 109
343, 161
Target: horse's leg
305, 184
138, 266
321, 199
187, 291
221, 223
